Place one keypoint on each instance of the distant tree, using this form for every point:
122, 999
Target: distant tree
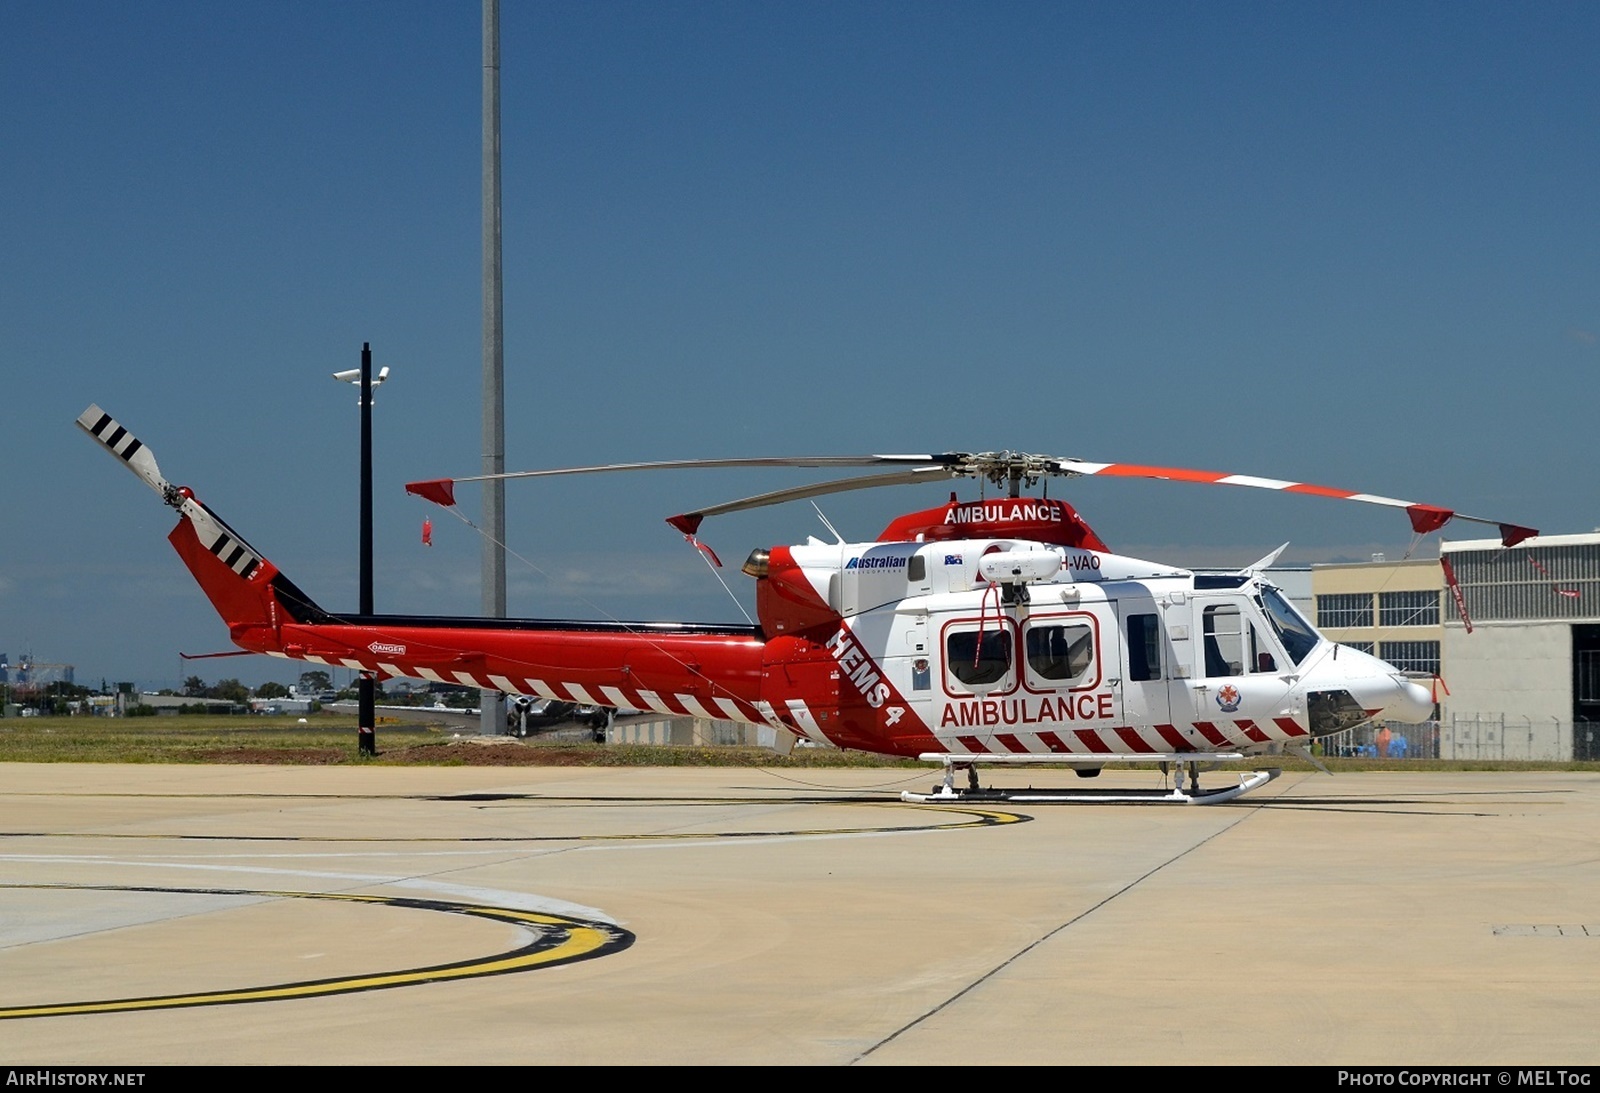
272, 690
194, 687
231, 690
315, 681
61, 697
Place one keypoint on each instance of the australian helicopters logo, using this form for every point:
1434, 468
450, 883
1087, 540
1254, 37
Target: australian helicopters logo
882, 562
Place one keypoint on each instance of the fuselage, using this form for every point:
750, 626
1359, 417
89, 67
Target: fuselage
907, 648
1111, 655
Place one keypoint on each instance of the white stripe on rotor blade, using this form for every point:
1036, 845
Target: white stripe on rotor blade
1374, 499
1251, 480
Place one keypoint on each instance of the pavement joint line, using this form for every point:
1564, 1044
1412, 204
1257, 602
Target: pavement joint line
1254, 809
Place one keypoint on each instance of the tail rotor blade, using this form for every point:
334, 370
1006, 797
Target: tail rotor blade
126, 447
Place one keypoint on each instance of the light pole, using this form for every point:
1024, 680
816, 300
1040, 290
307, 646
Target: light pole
366, 712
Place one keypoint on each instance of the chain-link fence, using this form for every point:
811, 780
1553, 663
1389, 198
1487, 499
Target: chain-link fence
1482, 736
1384, 740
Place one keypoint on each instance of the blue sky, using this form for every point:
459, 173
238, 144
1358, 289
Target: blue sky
1351, 244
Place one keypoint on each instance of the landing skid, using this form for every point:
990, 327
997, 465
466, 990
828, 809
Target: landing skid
949, 794
1184, 791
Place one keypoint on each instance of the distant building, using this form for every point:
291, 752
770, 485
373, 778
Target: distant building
1388, 609
26, 676
1525, 681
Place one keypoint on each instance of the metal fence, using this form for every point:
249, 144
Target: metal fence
1385, 740
1482, 736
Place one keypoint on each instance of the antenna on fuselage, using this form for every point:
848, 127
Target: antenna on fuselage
825, 523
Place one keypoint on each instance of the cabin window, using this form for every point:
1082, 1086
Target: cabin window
1062, 653
1224, 641
917, 569
1144, 647
979, 659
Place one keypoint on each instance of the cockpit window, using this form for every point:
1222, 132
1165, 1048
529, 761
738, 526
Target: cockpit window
1295, 632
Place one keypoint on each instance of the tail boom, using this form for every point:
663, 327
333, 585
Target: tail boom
712, 672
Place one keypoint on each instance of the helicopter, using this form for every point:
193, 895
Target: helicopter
999, 632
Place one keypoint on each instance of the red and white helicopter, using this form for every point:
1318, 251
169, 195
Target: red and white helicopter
998, 631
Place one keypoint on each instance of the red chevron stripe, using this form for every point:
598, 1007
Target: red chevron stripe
1209, 731
1130, 736
1174, 738
1091, 740
1289, 726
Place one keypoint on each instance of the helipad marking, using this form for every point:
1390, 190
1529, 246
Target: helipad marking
557, 940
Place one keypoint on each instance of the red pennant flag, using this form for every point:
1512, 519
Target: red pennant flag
707, 551
427, 532
1455, 591
1570, 593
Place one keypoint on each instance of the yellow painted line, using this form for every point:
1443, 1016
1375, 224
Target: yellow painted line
561, 940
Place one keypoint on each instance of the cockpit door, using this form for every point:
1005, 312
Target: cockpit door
1238, 684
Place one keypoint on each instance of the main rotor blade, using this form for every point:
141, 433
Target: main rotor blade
689, 522
997, 467
751, 461
441, 491
1424, 518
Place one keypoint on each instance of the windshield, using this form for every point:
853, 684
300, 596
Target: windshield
1295, 632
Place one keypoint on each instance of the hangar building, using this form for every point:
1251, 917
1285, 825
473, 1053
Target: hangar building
1521, 671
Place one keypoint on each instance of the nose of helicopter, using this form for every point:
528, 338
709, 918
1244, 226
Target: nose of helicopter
1395, 697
